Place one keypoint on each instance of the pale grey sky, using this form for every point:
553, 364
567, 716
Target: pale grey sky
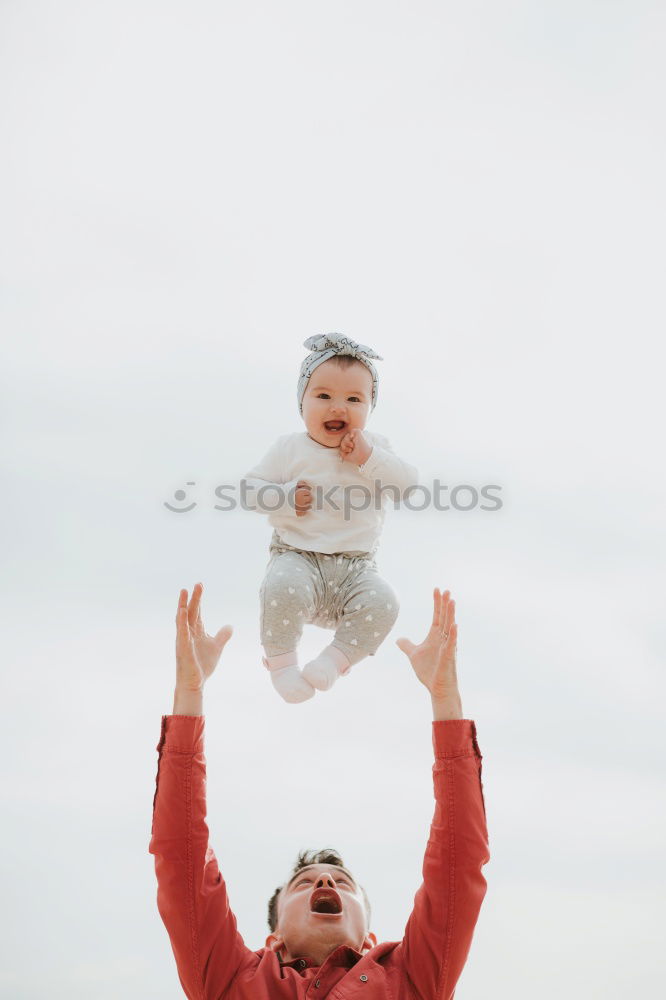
188, 191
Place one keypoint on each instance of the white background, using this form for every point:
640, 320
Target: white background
189, 190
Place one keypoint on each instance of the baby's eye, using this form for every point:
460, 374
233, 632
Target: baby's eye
354, 399
323, 395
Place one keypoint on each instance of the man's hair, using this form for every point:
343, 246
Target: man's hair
327, 856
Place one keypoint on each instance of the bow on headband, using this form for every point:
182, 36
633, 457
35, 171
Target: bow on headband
327, 346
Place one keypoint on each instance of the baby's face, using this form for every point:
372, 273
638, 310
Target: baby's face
336, 400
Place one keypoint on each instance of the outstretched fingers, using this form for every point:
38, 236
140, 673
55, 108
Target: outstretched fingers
182, 623
436, 601
443, 630
194, 608
441, 614
181, 610
449, 613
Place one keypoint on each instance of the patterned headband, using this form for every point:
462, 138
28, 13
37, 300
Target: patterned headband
327, 346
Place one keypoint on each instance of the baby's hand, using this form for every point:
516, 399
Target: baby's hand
302, 498
355, 447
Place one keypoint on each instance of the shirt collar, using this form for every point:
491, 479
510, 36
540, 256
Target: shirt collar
343, 956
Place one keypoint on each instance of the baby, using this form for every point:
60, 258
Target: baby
324, 490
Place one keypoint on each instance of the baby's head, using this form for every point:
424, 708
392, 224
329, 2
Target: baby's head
336, 390
337, 399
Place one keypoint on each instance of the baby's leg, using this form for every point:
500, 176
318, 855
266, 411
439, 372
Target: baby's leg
368, 617
369, 610
287, 601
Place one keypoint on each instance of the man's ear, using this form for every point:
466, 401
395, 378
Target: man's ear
275, 942
369, 942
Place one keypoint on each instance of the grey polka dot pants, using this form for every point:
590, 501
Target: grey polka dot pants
343, 592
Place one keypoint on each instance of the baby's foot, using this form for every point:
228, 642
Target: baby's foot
287, 679
323, 672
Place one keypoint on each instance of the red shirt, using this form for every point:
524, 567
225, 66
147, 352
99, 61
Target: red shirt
212, 959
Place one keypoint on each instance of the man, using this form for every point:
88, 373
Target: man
320, 944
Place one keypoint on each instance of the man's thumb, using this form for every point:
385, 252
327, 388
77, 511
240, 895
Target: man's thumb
223, 636
406, 646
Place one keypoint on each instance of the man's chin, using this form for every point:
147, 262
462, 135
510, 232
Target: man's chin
325, 937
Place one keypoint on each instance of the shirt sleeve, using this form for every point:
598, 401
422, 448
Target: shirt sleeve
191, 893
265, 487
385, 466
446, 907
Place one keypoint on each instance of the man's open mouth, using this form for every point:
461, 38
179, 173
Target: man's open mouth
325, 901
335, 426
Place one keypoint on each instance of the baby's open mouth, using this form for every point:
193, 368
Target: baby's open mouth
325, 901
334, 426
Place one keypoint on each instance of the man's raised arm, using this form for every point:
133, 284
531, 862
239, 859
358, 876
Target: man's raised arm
191, 894
439, 931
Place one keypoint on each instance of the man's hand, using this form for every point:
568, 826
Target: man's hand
197, 653
355, 447
302, 498
434, 661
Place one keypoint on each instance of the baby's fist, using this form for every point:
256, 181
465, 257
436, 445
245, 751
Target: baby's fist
347, 443
355, 447
302, 498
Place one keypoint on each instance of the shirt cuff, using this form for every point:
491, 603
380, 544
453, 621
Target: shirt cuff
182, 734
372, 463
455, 738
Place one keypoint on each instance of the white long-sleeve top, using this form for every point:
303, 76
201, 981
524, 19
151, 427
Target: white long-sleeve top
270, 485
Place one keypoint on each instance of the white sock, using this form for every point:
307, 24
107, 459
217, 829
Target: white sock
323, 672
287, 678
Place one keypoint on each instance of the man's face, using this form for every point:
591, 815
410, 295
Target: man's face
336, 400
319, 910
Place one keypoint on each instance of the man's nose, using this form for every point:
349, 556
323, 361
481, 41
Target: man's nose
325, 881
